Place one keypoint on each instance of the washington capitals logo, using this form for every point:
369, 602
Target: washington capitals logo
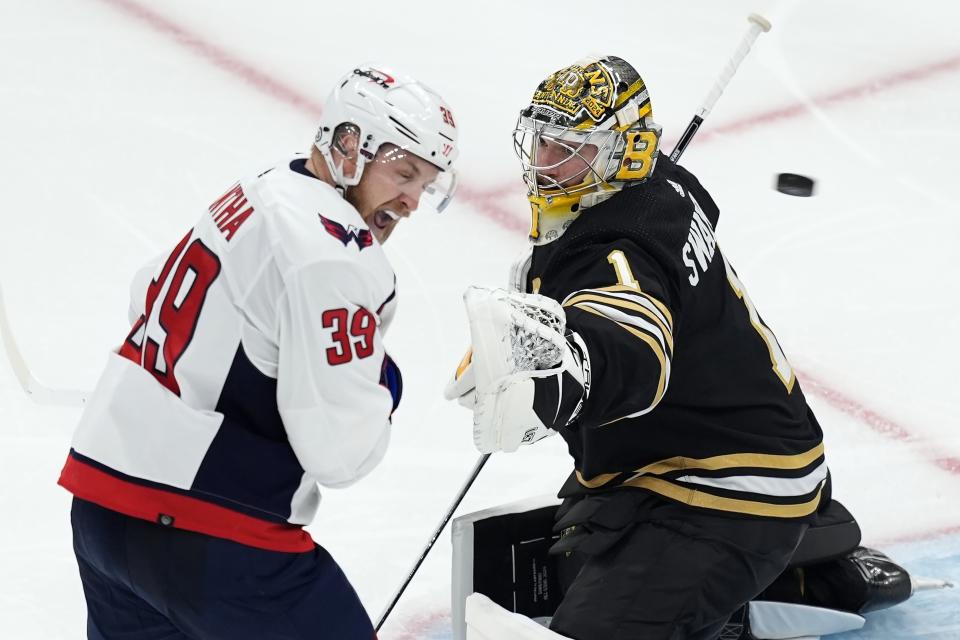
362, 237
376, 76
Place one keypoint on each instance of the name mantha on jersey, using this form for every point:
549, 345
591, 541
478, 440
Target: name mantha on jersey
252, 370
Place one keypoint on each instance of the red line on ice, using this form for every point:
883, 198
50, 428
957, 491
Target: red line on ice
262, 81
416, 626
855, 92
486, 200
922, 536
874, 420
713, 132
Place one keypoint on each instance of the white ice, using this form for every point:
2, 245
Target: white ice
118, 127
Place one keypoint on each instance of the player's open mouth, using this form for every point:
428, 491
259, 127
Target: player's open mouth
383, 218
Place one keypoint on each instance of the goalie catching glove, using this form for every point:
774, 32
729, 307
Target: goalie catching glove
525, 376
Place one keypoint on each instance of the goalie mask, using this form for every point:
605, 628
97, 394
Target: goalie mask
381, 106
586, 134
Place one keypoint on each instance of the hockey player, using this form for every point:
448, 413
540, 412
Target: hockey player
255, 370
698, 464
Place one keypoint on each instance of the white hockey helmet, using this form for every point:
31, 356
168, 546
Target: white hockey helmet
390, 107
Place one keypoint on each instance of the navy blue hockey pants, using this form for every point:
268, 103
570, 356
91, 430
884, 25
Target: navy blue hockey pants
148, 582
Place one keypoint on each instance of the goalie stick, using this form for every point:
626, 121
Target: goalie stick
482, 460
38, 392
758, 25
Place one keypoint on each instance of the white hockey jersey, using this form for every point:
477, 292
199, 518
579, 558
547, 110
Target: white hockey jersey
252, 373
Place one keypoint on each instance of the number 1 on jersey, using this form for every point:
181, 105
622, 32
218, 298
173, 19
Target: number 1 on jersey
622, 267
781, 366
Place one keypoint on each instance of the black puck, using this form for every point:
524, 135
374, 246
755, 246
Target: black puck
793, 184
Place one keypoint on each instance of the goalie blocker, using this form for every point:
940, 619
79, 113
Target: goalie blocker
502, 556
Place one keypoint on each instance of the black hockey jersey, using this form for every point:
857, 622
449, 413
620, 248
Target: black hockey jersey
690, 396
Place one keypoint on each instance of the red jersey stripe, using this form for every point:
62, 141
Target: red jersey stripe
191, 514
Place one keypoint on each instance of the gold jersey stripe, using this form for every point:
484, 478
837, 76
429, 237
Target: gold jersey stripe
654, 345
659, 305
609, 312
709, 501
624, 304
734, 460
596, 481
604, 295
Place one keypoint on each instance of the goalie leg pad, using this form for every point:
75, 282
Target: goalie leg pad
831, 569
502, 552
487, 620
863, 580
782, 620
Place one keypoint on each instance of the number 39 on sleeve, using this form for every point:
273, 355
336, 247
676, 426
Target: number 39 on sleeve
352, 336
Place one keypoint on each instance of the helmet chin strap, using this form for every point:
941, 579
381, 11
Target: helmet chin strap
595, 198
341, 182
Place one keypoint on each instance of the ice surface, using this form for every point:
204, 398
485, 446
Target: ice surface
119, 124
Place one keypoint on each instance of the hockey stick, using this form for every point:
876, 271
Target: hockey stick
436, 534
758, 25
38, 392
928, 584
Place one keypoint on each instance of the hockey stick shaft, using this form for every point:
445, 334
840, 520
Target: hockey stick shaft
436, 534
37, 391
758, 25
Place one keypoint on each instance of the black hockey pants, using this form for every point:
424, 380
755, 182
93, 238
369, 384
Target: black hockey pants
650, 569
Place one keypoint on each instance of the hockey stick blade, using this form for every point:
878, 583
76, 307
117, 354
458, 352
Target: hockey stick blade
38, 392
929, 584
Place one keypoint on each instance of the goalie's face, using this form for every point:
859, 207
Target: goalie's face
560, 160
562, 164
391, 188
